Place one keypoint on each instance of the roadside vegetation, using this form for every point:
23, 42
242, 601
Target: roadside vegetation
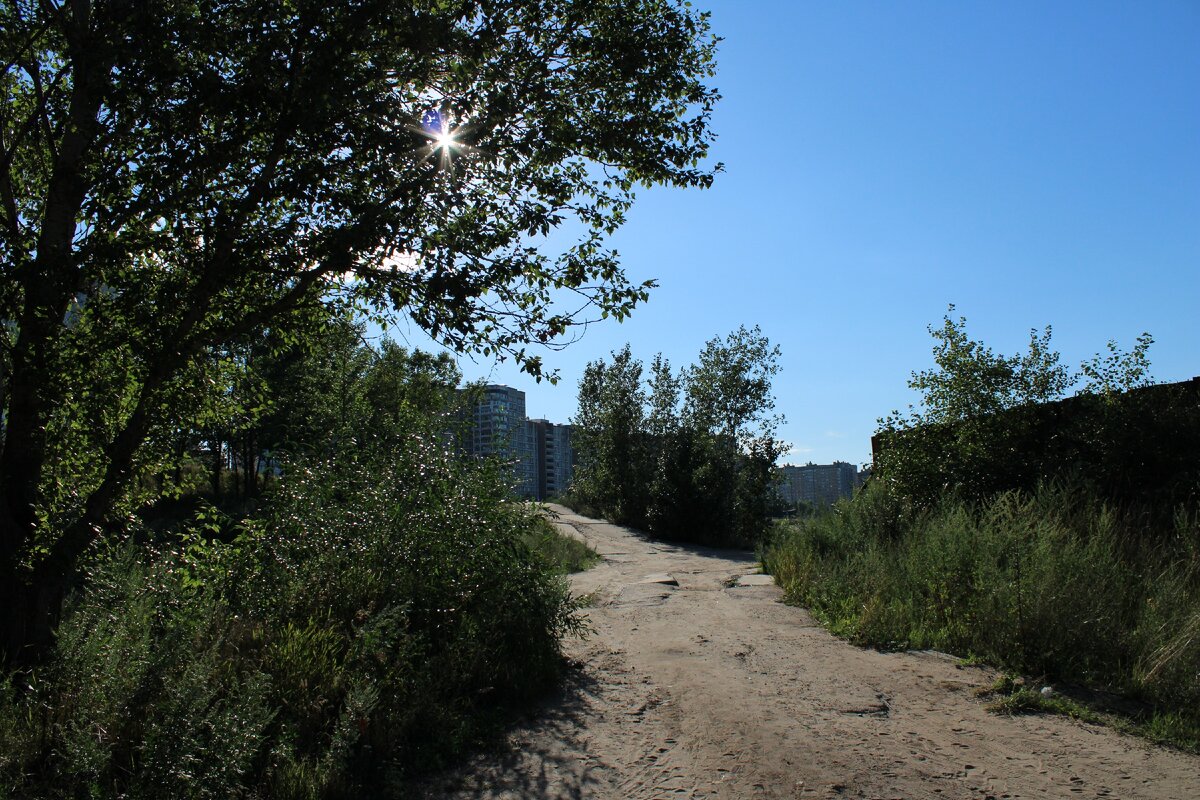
373, 612
684, 454
1081, 580
1053, 585
564, 554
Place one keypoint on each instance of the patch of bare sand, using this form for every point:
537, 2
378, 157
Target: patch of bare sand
710, 690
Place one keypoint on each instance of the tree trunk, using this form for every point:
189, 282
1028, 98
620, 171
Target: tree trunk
31, 603
216, 447
251, 477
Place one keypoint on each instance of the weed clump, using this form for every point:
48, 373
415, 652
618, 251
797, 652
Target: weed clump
564, 553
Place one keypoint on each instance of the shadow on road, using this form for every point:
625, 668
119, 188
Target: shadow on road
556, 764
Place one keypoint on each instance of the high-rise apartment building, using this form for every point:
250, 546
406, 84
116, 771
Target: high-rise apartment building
817, 484
539, 451
496, 418
499, 428
555, 456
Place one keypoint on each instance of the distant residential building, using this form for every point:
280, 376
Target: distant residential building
818, 485
556, 457
495, 421
539, 451
528, 464
498, 428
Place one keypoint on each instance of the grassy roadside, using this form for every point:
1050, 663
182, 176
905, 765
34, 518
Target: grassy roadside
564, 553
1016, 695
1054, 584
374, 622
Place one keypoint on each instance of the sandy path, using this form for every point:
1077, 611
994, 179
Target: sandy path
705, 690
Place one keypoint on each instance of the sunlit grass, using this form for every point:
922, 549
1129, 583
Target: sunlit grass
1055, 584
564, 553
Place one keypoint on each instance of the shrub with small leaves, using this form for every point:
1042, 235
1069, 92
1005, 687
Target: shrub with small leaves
381, 612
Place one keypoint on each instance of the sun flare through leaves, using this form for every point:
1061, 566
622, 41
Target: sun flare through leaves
444, 139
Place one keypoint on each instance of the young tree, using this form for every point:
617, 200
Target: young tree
982, 427
960, 438
610, 438
1118, 371
669, 459
728, 413
400, 384
729, 391
177, 175
317, 390
971, 381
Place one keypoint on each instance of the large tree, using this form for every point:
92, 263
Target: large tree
177, 175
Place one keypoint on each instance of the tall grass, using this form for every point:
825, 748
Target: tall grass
373, 621
565, 554
1053, 583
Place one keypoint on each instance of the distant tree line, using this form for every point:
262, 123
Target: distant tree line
683, 454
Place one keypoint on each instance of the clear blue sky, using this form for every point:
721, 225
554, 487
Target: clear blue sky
1033, 163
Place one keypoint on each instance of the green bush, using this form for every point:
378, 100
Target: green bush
1053, 583
377, 617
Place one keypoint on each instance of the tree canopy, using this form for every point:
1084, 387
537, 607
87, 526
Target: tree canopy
989, 423
175, 176
686, 454
970, 380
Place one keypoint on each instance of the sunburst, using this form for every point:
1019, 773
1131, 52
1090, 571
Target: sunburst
446, 139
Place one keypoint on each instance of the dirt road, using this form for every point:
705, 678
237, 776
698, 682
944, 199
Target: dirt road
708, 689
